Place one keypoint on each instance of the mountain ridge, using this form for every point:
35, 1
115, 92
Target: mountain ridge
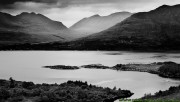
33, 27
156, 29
97, 23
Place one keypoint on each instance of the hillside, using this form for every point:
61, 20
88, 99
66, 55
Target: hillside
154, 30
30, 28
97, 23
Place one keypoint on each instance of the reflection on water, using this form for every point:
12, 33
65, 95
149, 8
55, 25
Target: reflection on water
27, 66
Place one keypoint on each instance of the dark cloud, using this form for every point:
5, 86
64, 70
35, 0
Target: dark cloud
10, 4
71, 11
13, 4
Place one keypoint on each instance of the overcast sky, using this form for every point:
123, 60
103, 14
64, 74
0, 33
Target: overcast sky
71, 11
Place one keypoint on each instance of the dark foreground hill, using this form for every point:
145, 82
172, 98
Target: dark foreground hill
71, 91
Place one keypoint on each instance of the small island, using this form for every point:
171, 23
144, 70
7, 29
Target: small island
60, 67
71, 91
95, 66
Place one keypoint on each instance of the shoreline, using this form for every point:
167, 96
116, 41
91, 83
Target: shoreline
136, 51
162, 69
152, 68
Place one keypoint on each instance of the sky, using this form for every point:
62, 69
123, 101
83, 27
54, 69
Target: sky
70, 11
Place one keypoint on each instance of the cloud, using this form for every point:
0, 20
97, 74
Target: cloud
71, 11
9, 2
13, 4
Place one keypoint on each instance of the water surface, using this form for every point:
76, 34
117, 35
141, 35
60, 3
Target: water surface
27, 66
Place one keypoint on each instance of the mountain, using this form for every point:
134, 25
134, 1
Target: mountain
98, 23
31, 28
158, 29
37, 23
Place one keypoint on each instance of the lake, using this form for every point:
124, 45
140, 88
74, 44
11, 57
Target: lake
27, 66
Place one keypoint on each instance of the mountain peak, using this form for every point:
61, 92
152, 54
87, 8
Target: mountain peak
35, 24
3, 13
95, 16
97, 23
122, 13
163, 7
27, 13
30, 14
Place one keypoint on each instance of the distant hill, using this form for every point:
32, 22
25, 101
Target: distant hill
98, 23
31, 28
158, 29
37, 23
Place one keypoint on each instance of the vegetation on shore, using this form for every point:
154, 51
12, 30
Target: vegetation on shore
71, 91
170, 70
173, 93
94, 46
163, 69
137, 67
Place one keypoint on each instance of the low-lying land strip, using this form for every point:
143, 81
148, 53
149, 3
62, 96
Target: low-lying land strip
62, 67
